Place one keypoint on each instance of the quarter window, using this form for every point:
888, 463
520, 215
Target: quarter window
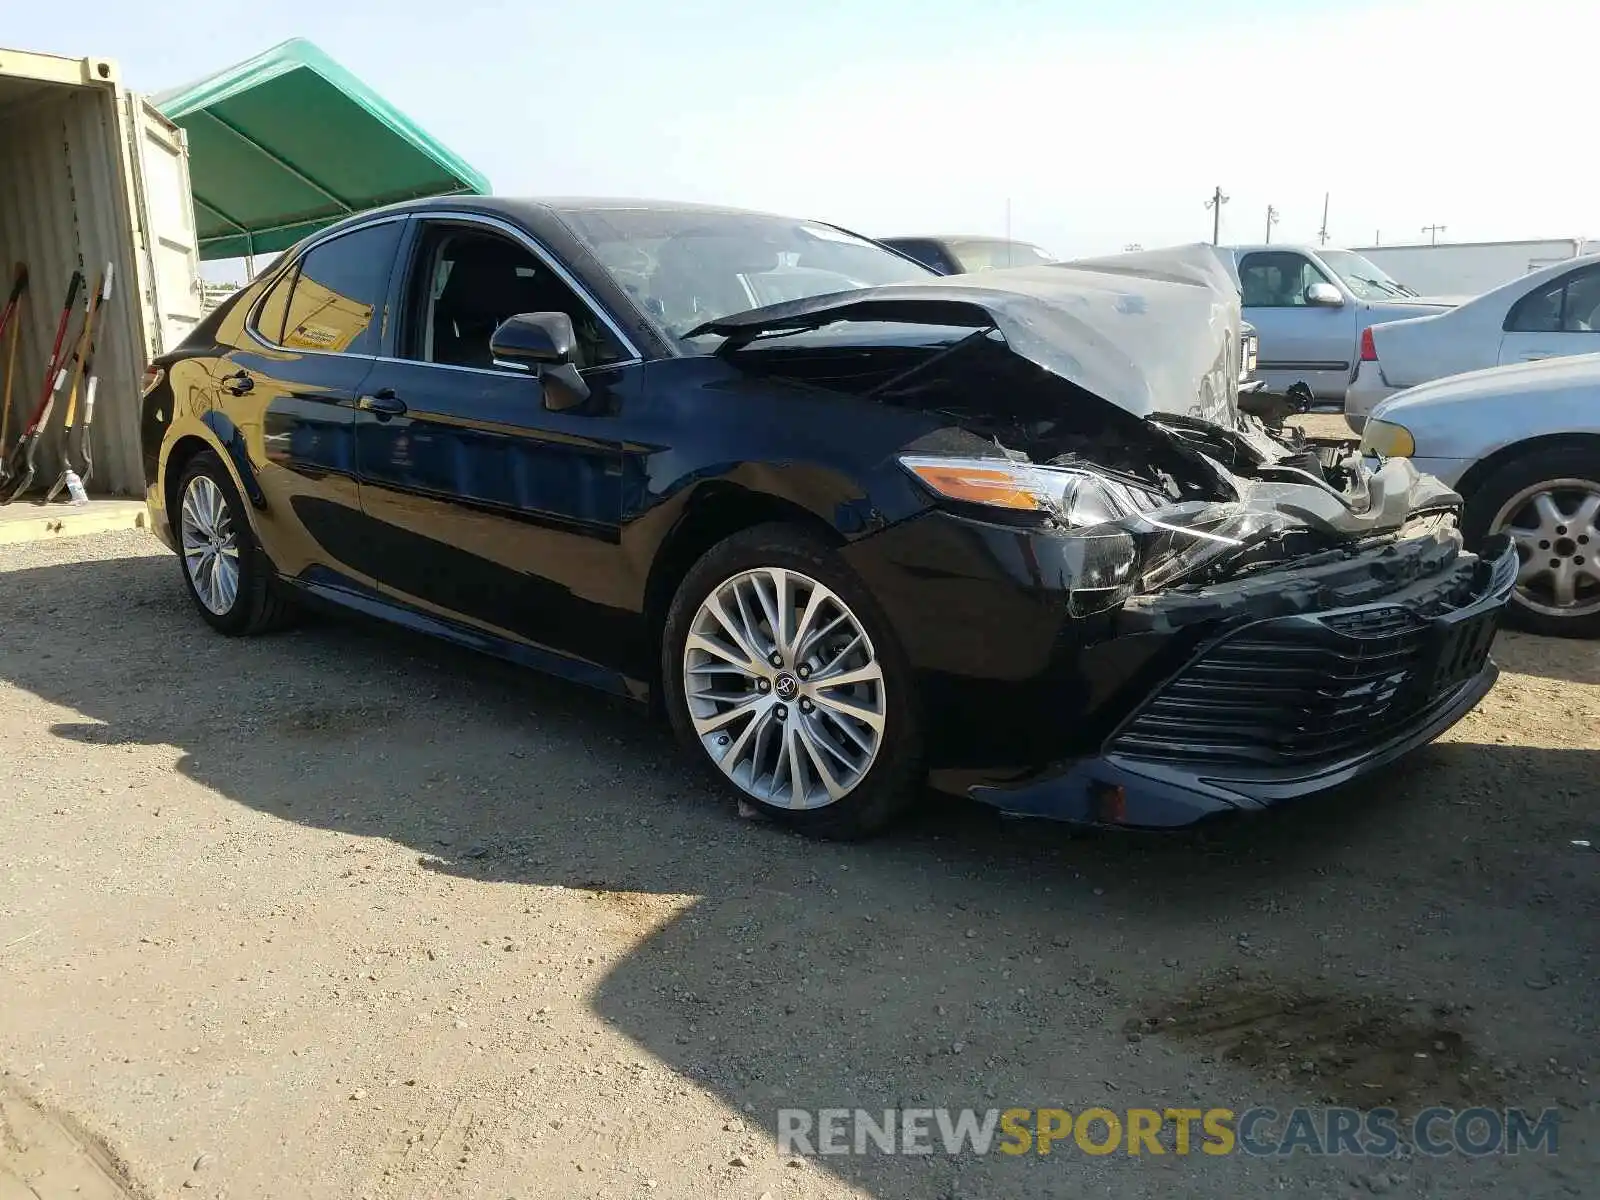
269, 321
1570, 305
333, 300
1273, 279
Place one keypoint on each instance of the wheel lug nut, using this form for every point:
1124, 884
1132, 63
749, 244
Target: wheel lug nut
806, 706
723, 739
776, 659
781, 713
804, 672
763, 686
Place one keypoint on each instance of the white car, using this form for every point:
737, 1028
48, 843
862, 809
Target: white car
1521, 444
1547, 313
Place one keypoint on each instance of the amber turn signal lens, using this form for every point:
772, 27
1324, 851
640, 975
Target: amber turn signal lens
996, 487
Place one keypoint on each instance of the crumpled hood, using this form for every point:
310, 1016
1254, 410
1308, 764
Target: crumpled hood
1155, 335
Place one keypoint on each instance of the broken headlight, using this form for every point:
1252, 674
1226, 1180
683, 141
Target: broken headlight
1072, 496
1120, 537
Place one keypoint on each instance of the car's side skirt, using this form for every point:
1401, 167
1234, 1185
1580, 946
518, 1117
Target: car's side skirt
331, 589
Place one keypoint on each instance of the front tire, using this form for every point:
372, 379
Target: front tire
228, 575
1548, 501
784, 677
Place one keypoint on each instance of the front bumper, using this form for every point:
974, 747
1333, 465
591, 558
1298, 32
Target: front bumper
1286, 707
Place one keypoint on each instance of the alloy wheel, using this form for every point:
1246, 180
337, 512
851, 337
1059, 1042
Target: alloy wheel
1556, 528
784, 688
210, 545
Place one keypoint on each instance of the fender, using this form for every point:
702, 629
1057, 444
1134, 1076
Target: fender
230, 439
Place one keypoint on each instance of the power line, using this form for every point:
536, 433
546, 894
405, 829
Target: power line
1215, 204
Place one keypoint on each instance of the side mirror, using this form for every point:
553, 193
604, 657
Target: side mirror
1324, 295
528, 341
542, 344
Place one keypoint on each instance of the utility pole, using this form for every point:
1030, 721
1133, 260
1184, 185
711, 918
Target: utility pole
1272, 219
1322, 234
1215, 204
1433, 231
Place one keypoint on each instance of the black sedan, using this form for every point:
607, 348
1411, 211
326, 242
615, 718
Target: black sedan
852, 525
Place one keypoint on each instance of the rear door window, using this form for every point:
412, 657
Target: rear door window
1569, 305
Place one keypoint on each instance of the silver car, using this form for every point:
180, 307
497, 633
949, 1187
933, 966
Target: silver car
1521, 444
1310, 305
1547, 313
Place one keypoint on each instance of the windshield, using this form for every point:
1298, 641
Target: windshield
1363, 276
687, 267
991, 254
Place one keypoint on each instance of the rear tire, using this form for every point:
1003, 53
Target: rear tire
1549, 502
836, 700
229, 577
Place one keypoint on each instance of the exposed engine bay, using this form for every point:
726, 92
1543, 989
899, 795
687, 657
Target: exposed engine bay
1103, 405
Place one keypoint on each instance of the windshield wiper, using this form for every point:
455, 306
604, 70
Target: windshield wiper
1390, 289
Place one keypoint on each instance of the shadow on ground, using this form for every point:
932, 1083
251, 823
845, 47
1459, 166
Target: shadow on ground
1566, 660
960, 960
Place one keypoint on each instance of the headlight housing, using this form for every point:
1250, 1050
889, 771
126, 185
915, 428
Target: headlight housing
1118, 536
1073, 497
1387, 439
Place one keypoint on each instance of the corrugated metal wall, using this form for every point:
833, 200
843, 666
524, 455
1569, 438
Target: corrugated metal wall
63, 206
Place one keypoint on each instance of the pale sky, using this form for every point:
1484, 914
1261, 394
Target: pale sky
1101, 123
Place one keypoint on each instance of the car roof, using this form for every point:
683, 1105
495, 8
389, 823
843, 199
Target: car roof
1293, 247
523, 206
954, 237
1530, 282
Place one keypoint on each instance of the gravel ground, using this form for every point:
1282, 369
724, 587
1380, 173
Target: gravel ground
338, 914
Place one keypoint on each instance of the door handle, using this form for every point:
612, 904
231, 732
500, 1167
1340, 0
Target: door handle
238, 383
382, 404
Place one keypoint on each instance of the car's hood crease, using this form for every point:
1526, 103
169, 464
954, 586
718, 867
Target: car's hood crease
1162, 337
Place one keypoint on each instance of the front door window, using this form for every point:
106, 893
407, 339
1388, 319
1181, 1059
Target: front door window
1277, 279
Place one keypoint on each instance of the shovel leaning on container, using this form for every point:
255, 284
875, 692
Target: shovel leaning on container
18, 471
83, 380
11, 322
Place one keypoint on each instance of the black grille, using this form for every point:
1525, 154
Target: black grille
1306, 689
1375, 622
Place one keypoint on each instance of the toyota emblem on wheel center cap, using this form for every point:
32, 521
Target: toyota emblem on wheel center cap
786, 686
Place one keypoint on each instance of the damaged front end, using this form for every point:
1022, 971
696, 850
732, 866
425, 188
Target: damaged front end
1200, 614
1101, 404
1127, 537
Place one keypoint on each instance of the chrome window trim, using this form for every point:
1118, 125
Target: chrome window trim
516, 234
497, 372
294, 265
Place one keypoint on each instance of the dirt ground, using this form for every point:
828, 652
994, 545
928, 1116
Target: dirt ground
340, 914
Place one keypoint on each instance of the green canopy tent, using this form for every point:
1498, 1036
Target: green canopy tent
288, 142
